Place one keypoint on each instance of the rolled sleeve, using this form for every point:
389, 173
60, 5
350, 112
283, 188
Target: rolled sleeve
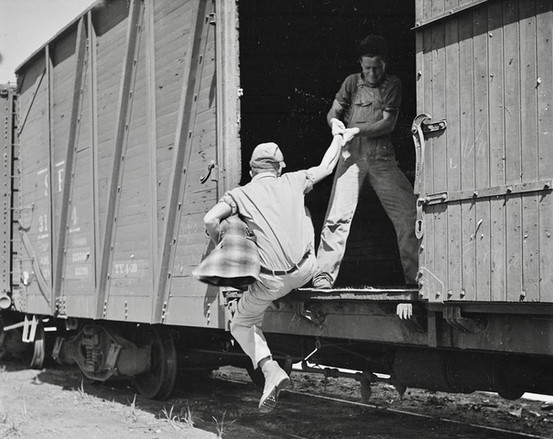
227, 198
392, 95
309, 182
344, 95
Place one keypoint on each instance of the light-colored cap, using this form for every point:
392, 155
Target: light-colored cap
266, 156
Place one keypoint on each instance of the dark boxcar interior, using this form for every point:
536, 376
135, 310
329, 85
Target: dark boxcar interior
294, 56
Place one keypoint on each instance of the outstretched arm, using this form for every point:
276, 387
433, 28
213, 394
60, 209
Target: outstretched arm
330, 159
334, 118
213, 218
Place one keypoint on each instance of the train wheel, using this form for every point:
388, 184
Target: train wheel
39, 348
159, 381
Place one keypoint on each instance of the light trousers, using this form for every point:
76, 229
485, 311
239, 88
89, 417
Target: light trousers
245, 325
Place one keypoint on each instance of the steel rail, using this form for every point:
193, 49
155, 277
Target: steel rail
420, 415
398, 411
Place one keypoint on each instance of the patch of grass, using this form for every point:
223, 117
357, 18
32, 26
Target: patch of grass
133, 416
221, 426
178, 420
10, 425
81, 391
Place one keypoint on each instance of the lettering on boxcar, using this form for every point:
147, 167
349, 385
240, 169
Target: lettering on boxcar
80, 256
82, 271
43, 223
59, 174
79, 241
126, 268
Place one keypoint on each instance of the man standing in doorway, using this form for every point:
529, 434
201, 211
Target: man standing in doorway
272, 206
370, 101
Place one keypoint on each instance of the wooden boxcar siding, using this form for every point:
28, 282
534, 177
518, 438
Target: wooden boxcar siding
199, 194
35, 219
7, 121
488, 71
130, 112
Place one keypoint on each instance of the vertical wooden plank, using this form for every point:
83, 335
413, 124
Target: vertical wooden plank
228, 104
427, 6
80, 47
513, 142
466, 121
449, 5
529, 128
94, 187
152, 143
497, 149
181, 156
51, 161
438, 151
421, 103
121, 123
482, 159
427, 245
419, 11
453, 165
544, 12
438, 7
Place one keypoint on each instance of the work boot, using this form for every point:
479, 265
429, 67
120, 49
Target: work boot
275, 380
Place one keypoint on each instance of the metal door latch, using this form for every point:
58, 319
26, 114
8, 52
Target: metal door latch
422, 125
207, 173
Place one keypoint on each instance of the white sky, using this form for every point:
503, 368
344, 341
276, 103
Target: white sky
26, 25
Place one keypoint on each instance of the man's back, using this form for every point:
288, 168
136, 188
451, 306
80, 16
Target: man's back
273, 207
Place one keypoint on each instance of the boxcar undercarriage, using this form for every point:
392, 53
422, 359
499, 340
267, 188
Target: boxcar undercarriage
409, 344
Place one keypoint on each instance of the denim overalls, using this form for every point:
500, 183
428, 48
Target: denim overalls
372, 158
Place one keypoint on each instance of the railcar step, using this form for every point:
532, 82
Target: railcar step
354, 293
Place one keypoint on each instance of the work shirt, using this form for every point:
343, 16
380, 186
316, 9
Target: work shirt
365, 104
273, 208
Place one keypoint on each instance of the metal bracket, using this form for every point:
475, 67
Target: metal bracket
437, 198
431, 287
453, 317
29, 329
205, 175
311, 314
405, 313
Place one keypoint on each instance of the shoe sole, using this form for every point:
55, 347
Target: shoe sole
269, 403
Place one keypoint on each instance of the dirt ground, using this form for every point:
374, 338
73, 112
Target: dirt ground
58, 403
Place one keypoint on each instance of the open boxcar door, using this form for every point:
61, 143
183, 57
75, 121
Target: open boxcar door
484, 183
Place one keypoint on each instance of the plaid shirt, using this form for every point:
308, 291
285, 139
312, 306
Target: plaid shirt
234, 262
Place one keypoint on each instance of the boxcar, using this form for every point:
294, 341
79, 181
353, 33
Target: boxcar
131, 122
